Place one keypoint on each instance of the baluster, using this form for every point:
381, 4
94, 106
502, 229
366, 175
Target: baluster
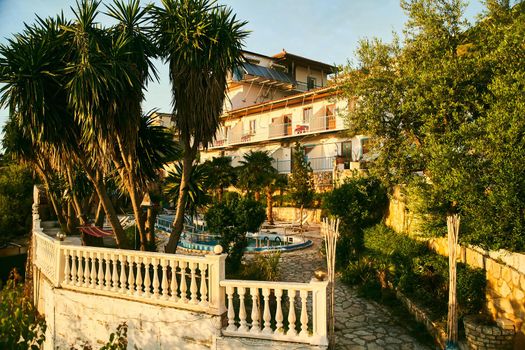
203, 288
193, 284
278, 312
114, 273
138, 260
291, 313
122, 279
147, 280
80, 270
131, 276
93, 277
100, 276
67, 278
183, 288
107, 275
266, 314
173, 285
87, 272
156, 283
255, 310
304, 315
242, 310
164, 284
231, 312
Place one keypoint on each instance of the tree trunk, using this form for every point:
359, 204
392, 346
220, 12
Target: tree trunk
178, 223
219, 194
150, 228
269, 206
132, 188
137, 212
257, 195
78, 207
54, 202
71, 217
109, 209
99, 218
301, 216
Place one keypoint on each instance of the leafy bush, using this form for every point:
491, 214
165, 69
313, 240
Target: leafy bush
231, 220
20, 325
263, 267
416, 271
359, 203
16, 187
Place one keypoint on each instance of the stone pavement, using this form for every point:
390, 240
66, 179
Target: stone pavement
360, 323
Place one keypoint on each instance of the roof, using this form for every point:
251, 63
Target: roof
284, 56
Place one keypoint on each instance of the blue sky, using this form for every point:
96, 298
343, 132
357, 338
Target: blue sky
324, 30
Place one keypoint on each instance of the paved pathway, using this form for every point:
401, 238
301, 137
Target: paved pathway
360, 323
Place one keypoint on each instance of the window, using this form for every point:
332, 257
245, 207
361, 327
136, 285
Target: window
307, 115
365, 146
311, 83
252, 126
330, 110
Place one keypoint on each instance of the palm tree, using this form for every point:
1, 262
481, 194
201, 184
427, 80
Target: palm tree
201, 42
223, 174
277, 182
256, 172
198, 186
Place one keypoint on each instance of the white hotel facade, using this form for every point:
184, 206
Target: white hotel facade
274, 102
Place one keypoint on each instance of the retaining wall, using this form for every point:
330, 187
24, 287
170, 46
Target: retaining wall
505, 271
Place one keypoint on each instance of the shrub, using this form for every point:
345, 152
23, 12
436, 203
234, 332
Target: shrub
359, 203
20, 325
16, 187
263, 267
416, 271
231, 220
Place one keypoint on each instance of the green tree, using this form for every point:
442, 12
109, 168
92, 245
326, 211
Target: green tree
197, 186
231, 220
445, 103
21, 327
201, 42
223, 174
16, 188
256, 172
300, 183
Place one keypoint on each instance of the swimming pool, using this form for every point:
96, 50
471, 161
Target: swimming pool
196, 238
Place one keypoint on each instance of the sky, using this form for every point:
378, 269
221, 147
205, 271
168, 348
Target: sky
323, 30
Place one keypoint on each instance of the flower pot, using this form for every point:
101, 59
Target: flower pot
483, 335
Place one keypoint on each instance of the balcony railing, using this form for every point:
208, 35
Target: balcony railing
195, 283
317, 164
274, 131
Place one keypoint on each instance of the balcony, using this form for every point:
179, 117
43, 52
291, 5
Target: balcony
318, 164
277, 130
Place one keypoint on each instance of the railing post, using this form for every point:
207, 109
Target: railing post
59, 264
319, 312
216, 273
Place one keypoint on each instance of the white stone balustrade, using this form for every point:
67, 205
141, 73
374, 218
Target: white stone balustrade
281, 311
278, 310
182, 281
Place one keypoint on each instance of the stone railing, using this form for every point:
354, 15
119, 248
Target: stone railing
270, 308
280, 311
182, 281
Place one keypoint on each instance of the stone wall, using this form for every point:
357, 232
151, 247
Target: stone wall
291, 214
74, 318
505, 271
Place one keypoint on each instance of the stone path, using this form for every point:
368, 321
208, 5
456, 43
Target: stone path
360, 323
